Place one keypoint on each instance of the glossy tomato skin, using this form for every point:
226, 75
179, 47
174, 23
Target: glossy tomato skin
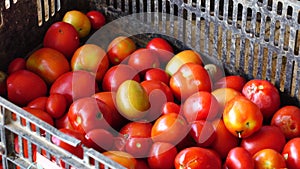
63, 122
38, 103
96, 18
238, 158
20, 85
56, 105
139, 147
162, 46
16, 64
121, 157
162, 155
267, 137
287, 118
42, 115
62, 37
157, 74
197, 157
264, 94
291, 153
235, 82
224, 95
171, 107
99, 139
202, 132
86, 114
137, 129
189, 79
80, 22
268, 158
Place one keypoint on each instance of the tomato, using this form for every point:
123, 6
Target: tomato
287, 118
185, 56
136, 129
38, 103
171, 107
96, 18
267, 137
162, 155
224, 95
291, 153
116, 75
157, 74
162, 46
80, 22
264, 94
138, 146
20, 85
235, 82
238, 158
197, 157
204, 107
16, 64
86, 114
48, 63
171, 128
189, 79
56, 105
242, 117
268, 158
119, 49
74, 85
63, 122
40, 114
95, 139
224, 140
122, 158
91, 58
62, 37
142, 164
202, 132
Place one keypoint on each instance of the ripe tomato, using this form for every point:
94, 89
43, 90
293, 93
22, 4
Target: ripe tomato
238, 158
38, 103
42, 115
119, 49
204, 107
16, 64
122, 158
162, 155
139, 147
242, 117
95, 139
264, 94
96, 18
291, 153
267, 137
171, 128
48, 63
232, 81
171, 107
80, 22
20, 85
91, 58
224, 95
268, 158
62, 37
56, 105
197, 157
189, 79
287, 119
136, 129
157, 74
63, 122
86, 114
202, 132
163, 47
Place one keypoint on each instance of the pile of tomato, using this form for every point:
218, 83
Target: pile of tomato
150, 107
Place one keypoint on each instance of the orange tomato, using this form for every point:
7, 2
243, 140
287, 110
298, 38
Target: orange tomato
80, 21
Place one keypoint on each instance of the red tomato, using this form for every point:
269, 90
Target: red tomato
20, 85
56, 105
224, 95
137, 129
122, 158
157, 74
264, 94
268, 158
142, 164
197, 157
62, 37
267, 137
118, 74
232, 81
202, 132
238, 158
291, 153
171, 128
74, 85
99, 139
119, 49
86, 114
42, 115
163, 47
97, 19
63, 122
38, 103
287, 119
139, 147
171, 107
162, 155
16, 64
204, 107
189, 79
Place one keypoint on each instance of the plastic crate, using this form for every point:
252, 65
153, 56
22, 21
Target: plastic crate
256, 39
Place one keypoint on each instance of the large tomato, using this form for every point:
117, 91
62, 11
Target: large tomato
238, 158
62, 37
20, 85
80, 22
189, 79
291, 153
164, 48
268, 158
162, 155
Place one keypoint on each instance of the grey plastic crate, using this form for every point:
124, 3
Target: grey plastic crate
256, 39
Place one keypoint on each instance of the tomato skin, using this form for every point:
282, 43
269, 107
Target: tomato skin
287, 118
20, 85
86, 114
80, 22
121, 157
137, 129
56, 105
238, 158
38, 103
224, 95
162, 155
62, 37
163, 47
197, 157
63, 122
264, 94
42, 115
268, 158
96, 18
16, 64
235, 82
157, 74
202, 132
139, 147
261, 140
94, 139
171, 107
291, 153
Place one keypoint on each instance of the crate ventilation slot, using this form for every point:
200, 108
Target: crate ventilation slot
46, 9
